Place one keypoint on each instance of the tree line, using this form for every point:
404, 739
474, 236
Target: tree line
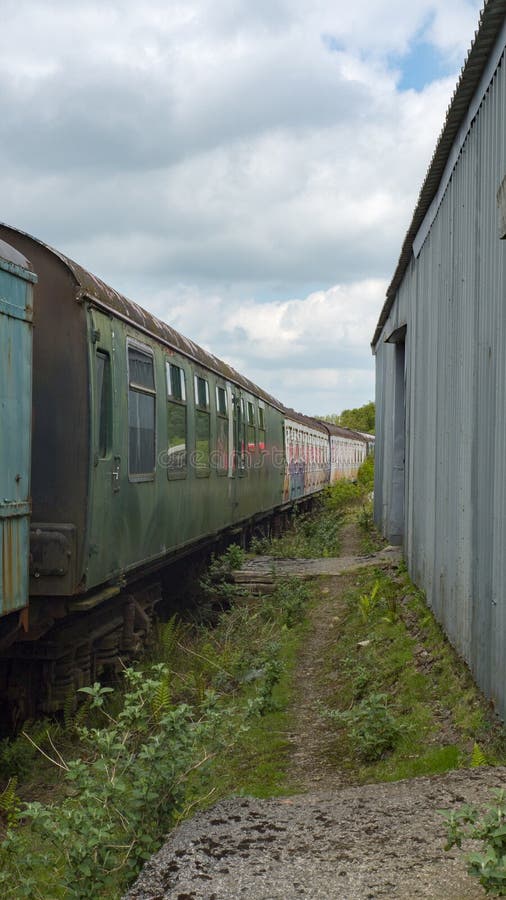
360, 419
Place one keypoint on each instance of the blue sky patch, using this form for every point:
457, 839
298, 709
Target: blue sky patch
424, 63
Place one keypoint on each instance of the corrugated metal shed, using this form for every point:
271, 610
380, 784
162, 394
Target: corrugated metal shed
450, 295
490, 31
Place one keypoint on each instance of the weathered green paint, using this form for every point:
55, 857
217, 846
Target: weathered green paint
133, 522
15, 432
94, 525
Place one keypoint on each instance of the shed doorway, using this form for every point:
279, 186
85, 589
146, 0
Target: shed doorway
396, 535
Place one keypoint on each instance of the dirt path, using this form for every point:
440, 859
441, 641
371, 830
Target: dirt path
332, 841
313, 738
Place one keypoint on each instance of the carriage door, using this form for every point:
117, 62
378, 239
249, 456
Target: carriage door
239, 435
105, 459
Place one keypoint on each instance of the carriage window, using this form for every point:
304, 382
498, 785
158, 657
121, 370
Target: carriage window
141, 414
261, 429
221, 401
103, 404
202, 428
251, 426
176, 423
176, 384
221, 455
201, 392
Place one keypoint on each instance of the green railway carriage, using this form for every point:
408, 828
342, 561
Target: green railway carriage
144, 442
144, 446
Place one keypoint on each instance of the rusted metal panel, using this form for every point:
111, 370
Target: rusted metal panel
61, 424
15, 426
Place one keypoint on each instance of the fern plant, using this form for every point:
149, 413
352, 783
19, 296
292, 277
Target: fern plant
9, 802
478, 757
367, 602
168, 635
161, 698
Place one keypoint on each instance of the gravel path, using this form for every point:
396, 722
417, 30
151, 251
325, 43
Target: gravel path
374, 841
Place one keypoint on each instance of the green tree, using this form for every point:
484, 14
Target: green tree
359, 419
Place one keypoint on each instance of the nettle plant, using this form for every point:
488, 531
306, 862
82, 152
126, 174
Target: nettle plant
124, 793
371, 724
488, 826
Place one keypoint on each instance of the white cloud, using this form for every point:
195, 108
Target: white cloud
213, 159
310, 352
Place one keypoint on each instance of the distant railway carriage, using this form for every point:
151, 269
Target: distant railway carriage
307, 456
144, 447
348, 450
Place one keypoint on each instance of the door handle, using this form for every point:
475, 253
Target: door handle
115, 473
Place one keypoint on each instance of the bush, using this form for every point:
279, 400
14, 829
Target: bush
288, 602
372, 727
340, 494
365, 475
124, 793
489, 826
217, 584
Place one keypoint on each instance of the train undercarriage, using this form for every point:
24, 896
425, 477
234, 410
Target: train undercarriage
66, 645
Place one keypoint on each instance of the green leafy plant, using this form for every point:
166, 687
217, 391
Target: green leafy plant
9, 803
365, 518
365, 474
371, 725
167, 636
367, 602
342, 494
270, 675
260, 545
478, 757
217, 584
288, 602
124, 791
488, 826
17, 754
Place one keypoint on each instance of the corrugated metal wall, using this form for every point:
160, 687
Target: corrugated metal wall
452, 300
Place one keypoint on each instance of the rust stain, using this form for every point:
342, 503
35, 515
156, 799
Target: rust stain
24, 619
7, 575
11, 565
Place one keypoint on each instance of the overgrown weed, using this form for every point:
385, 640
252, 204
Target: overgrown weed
309, 535
174, 736
488, 826
406, 703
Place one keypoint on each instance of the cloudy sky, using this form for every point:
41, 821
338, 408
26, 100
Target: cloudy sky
246, 169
